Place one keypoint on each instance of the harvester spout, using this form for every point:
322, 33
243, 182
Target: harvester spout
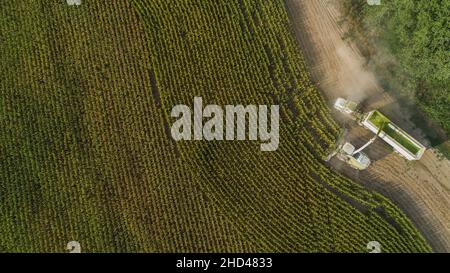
365, 145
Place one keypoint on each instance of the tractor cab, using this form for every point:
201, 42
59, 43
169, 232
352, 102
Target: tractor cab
345, 106
358, 160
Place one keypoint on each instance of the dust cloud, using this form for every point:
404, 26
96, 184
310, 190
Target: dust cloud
355, 80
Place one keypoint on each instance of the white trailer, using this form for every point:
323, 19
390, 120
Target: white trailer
403, 143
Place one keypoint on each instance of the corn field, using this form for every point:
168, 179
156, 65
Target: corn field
85, 146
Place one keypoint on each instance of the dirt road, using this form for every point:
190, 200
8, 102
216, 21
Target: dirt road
421, 189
